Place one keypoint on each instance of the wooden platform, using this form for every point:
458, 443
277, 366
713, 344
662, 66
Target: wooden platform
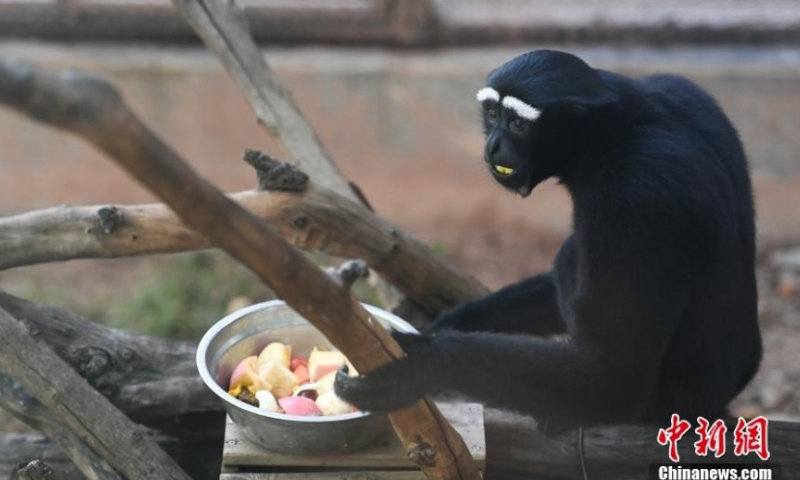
385, 459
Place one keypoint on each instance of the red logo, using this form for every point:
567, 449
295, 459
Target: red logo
748, 437
672, 435
751, 437
711, 439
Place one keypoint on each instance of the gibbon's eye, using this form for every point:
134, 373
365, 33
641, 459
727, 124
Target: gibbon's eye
491, 112
518, 124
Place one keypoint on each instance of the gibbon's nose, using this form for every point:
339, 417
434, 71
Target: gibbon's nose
498, 159
492, 147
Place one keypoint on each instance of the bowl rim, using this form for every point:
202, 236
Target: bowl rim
205, 342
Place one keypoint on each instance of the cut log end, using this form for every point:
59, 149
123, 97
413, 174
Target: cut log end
274, 175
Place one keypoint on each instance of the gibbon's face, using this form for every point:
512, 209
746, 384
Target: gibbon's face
538, 109
510, 125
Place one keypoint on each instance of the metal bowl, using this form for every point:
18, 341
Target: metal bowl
246, 332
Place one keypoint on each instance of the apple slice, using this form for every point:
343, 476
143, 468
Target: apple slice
322, 363
325, 384
266, 401
298, 362
279, 379
330, 404
246, 374
299, 406
301, 373
276, 351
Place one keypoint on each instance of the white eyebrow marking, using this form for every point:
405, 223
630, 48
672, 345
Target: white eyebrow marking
521, 108
487, 93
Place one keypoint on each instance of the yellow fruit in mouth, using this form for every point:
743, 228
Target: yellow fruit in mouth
503, 170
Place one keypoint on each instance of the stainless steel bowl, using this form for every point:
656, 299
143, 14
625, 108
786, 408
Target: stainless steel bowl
246, 332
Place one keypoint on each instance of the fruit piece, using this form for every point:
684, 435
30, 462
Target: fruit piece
299, 406
301, 373
246, 374
279, 380
330, 404
321, 363
239, 372
296, 362
266, 401
325, 384
278, 352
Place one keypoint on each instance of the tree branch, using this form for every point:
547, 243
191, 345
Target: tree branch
227, 36
90, 416
224, 31
313, 218
106, 122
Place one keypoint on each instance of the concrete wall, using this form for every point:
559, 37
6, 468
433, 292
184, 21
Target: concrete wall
403, 125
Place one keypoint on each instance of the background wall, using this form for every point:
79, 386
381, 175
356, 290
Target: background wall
403, 125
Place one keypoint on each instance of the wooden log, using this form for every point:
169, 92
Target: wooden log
516, 449
383, 453
154, 381
96, 112
90, 416
22, 405
312, 218
201, 459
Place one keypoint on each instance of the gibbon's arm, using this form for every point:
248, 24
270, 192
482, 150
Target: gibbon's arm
528, 307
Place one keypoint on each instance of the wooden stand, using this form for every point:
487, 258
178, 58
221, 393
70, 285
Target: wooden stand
385, 459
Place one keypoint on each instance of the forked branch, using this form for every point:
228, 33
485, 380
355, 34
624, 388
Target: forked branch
308, 216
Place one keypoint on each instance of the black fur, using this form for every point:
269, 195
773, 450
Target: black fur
655, 287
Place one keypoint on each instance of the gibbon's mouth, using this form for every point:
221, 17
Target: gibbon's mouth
509, 178
503, 170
